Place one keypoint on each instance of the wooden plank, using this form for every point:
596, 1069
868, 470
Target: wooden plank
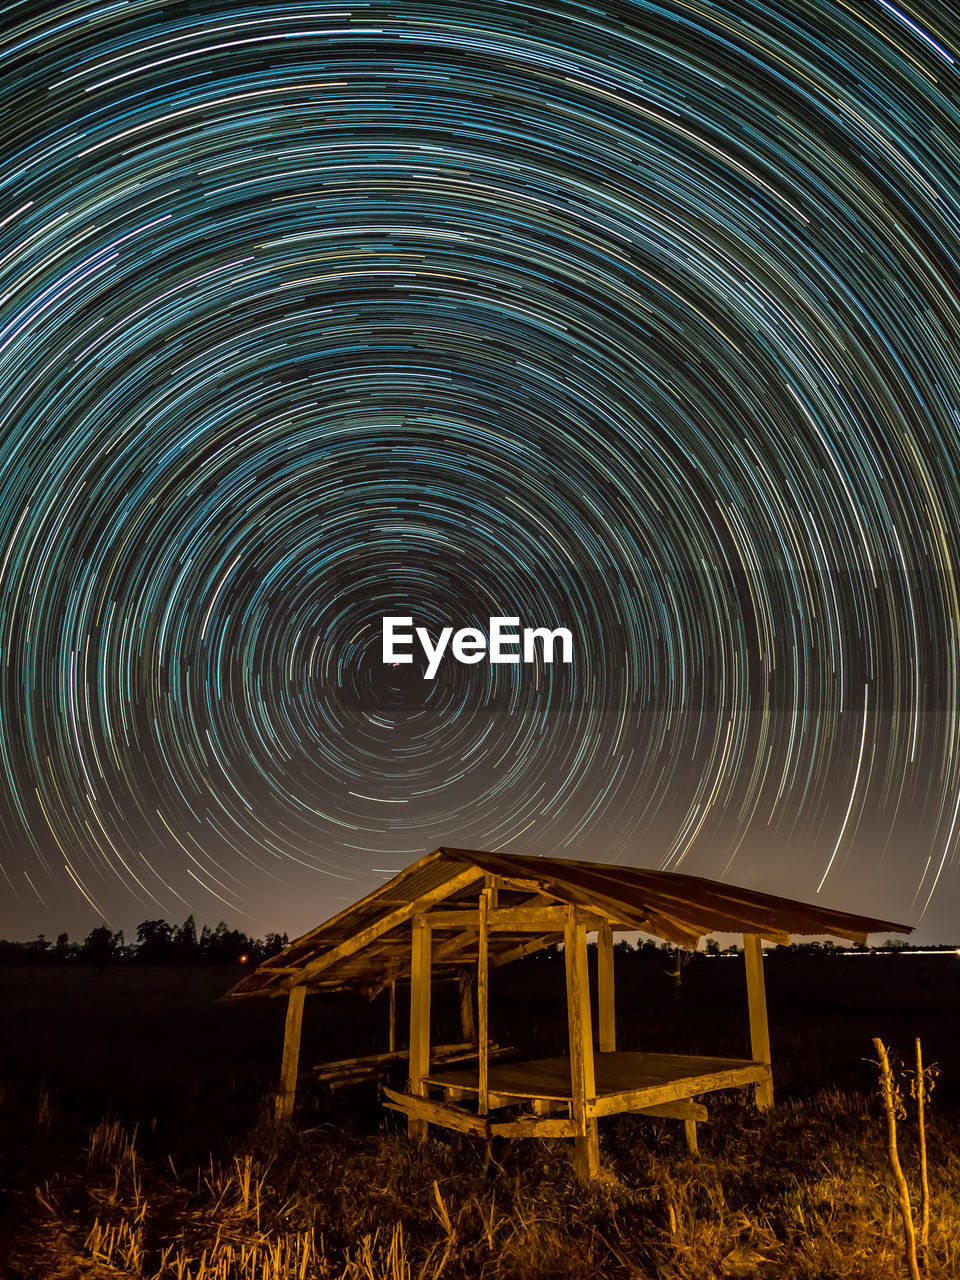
438, 1054
615, 1073
460, 946
358, 941
512, 919
483, 1004
522, 949
424, 1111
684, 1110
327, 1070
582, 1082
606, 1015
291, 1053
456, 948
610, 1104
454, 1093
757, 1005
392, 1024
534, 1127
419, 1017
468, 1023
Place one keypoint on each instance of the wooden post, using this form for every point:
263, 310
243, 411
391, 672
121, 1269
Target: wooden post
606, 1015
291, 1053
468, 1023
487, 898
757, 1005
582, 1080
392, 1027
690, 1128
419, 1018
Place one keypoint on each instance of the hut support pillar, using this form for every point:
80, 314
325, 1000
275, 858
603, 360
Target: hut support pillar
392, 1025
757, 1005
291, 1053
468, 1023
582, 1081
606, 1010
487, 899
419, 1019
690, 1130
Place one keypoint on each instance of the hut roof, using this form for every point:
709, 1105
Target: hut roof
368, 944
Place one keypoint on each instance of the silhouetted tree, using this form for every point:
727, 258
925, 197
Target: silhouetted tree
39, 951
185, 947
155, 938
157, 943
224, 945
100, 946
272, 945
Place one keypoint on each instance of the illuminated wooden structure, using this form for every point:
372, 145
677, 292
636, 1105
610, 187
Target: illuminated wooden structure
458, 913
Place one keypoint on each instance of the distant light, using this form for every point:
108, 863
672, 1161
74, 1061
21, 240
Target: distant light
905, 951
244, 959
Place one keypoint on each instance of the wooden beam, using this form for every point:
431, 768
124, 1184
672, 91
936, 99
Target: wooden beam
611, 1104
392, 1025
757, 1006
522, 949
440, 1055
291, 1053
419, 1018
350, 946
455, 947
513, 919
424, 1111
534, 1127
606, 1012
483, 1003
582, 1080
456, 1093
683, 1110
468, 1023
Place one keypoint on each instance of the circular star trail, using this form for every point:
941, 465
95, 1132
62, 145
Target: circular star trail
636, 319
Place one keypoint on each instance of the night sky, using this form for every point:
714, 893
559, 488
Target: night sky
638, 319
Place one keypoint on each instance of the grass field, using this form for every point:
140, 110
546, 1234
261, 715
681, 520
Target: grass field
137, 1141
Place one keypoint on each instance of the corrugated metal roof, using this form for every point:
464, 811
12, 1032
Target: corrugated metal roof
368, 944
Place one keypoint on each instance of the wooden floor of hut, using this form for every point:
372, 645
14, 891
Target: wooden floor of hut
624, 1080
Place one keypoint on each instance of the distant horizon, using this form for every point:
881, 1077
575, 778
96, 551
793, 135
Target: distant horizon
912, 940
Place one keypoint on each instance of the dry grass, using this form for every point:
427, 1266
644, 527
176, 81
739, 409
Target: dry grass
803, 1195
182, 1181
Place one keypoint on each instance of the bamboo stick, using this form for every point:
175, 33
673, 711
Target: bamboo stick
889, 1094
924, 1184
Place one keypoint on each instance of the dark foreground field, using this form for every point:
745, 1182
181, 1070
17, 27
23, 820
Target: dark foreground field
136, 1138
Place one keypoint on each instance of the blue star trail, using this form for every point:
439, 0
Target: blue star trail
638, 319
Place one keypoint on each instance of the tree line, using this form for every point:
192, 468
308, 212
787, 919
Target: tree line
158, 942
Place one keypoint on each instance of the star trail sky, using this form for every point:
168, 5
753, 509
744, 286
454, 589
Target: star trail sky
638, 319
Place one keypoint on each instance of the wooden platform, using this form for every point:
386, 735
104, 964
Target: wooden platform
624, 1081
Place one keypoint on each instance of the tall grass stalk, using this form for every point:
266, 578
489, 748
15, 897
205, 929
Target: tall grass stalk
893, 1107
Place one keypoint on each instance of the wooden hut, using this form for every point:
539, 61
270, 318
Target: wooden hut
457, 913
